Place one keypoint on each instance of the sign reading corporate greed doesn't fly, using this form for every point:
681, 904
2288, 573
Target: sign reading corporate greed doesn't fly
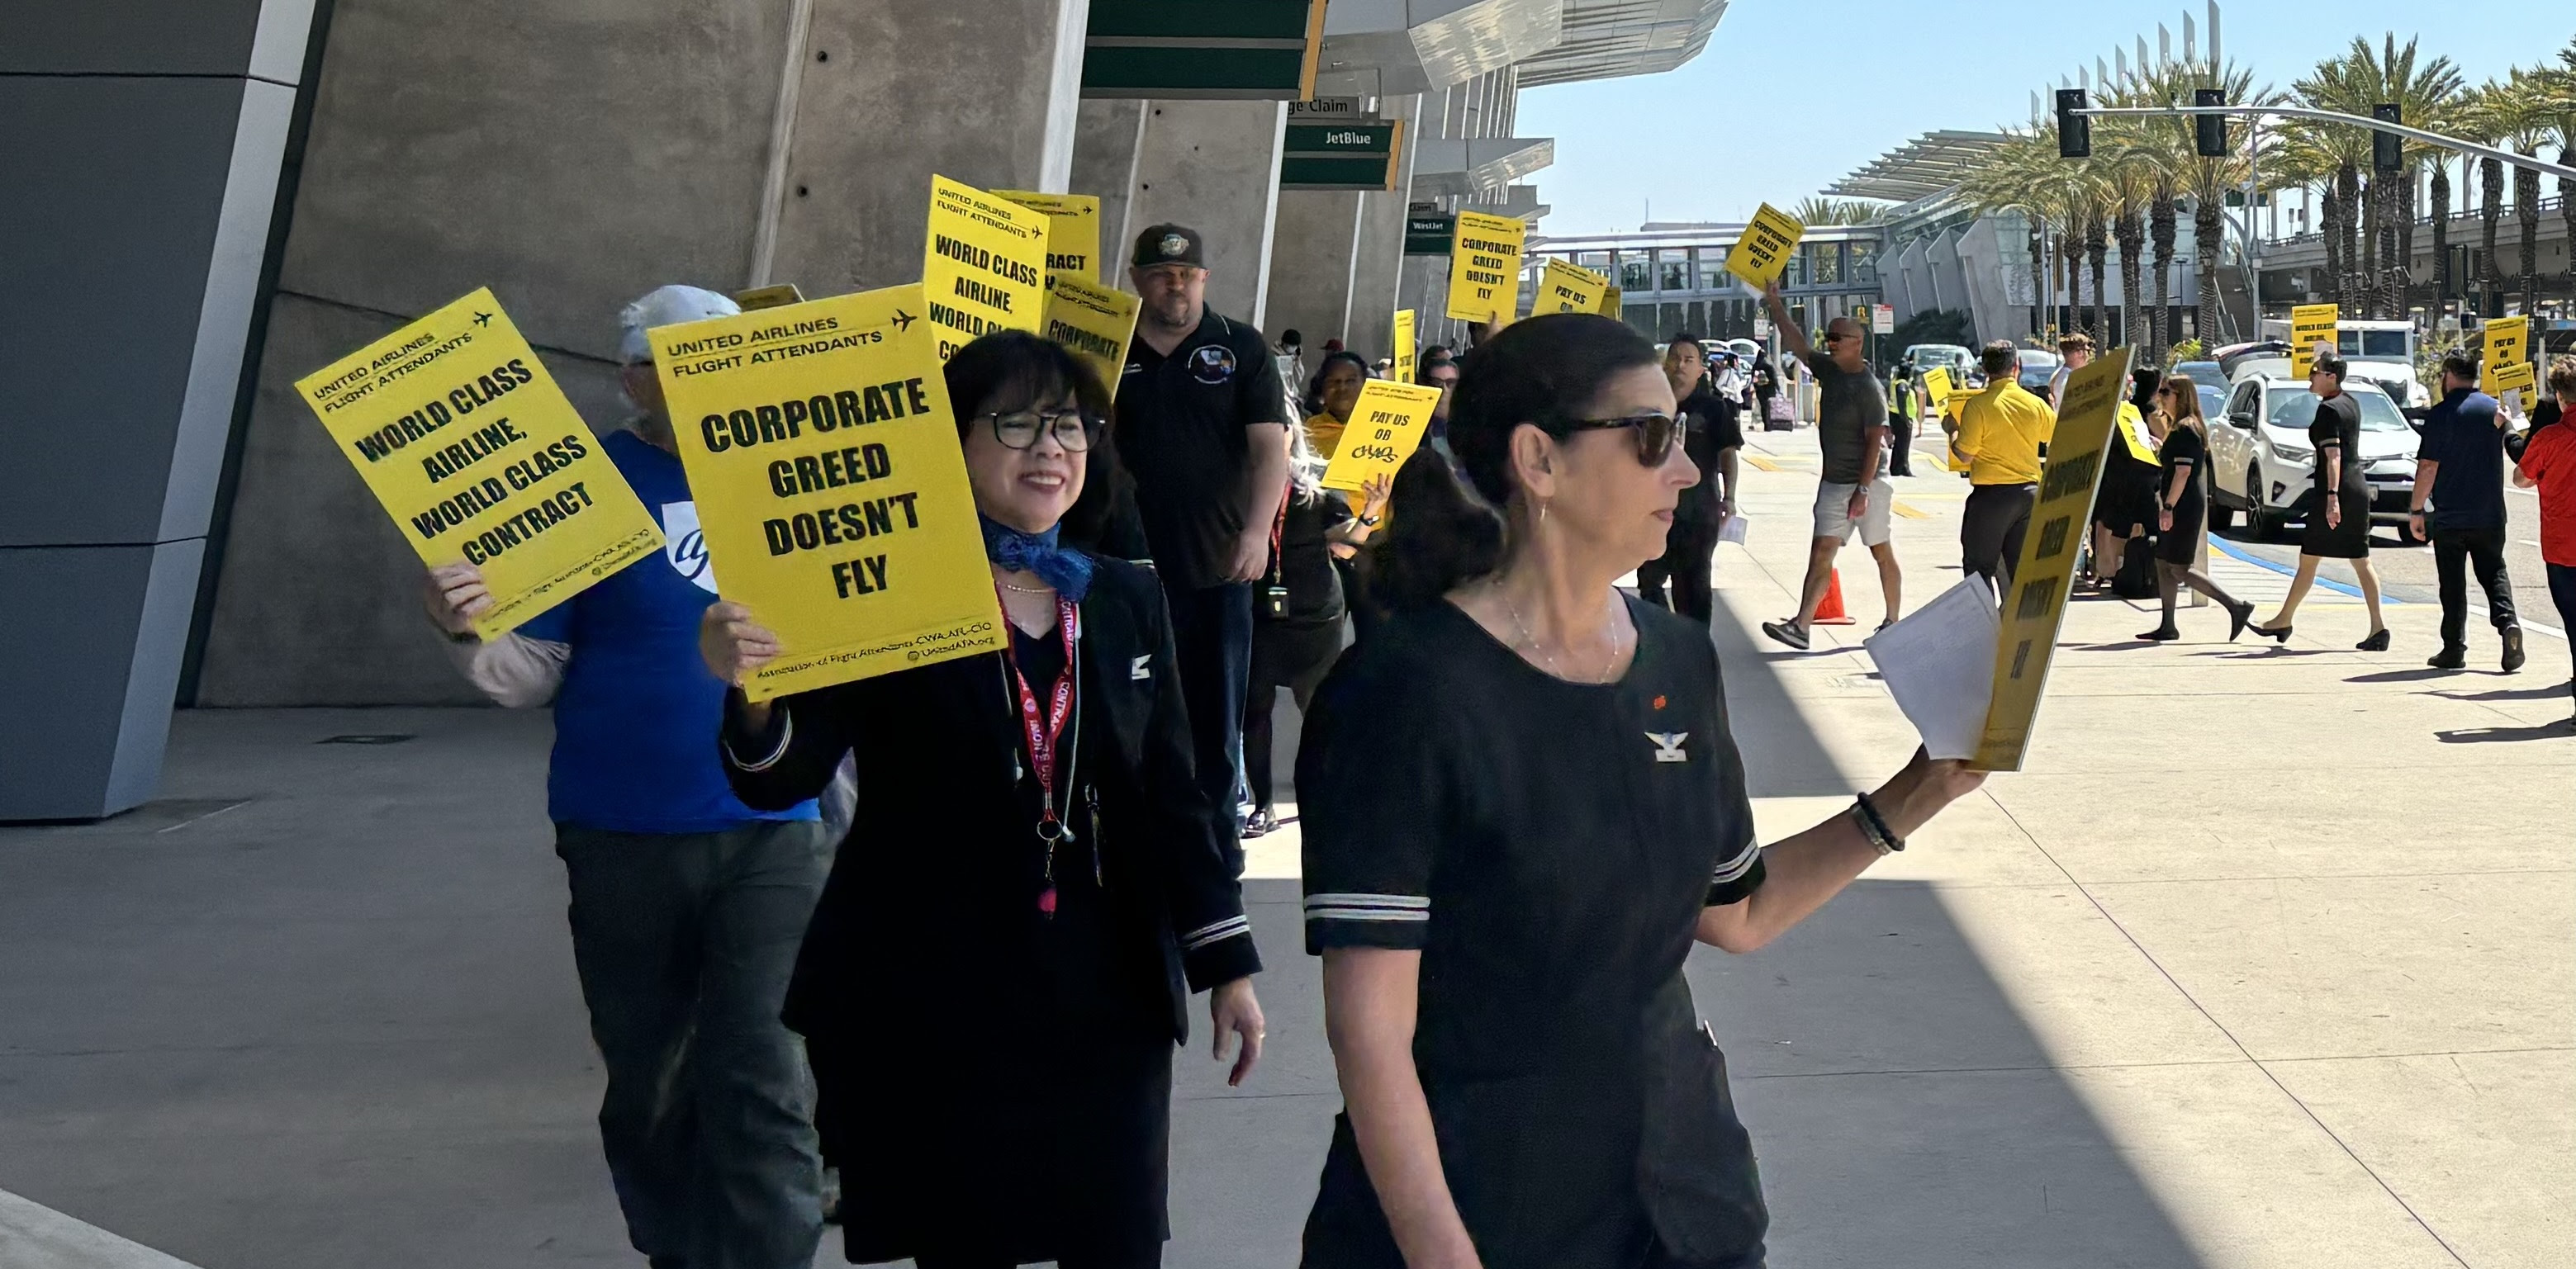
823, 454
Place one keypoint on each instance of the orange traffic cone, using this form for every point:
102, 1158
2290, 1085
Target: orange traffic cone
1829, 611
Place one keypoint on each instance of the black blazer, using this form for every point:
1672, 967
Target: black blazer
937, 869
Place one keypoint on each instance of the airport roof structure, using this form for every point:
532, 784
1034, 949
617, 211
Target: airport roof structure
1933, 163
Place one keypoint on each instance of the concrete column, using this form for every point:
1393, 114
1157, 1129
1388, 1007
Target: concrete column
143, 152
1106, 139
596, 153
1214, 166
1380, 253
1311, 265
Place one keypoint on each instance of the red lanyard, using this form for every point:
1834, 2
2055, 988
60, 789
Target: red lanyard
1045, 730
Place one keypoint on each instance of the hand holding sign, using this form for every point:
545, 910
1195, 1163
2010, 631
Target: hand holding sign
1386, 427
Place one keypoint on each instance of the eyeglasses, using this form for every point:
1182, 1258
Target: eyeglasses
1020, 429
1834, 337
1654, 433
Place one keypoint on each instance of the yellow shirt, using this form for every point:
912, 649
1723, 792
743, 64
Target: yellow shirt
2000, 432
1324, 433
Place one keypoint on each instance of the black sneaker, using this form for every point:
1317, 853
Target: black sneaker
2449, 659
1788, 632
2512, 649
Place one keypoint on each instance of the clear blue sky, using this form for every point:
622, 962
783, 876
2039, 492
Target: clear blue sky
1792, 95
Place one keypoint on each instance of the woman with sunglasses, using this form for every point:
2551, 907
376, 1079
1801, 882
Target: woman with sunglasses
2184, 453
1522, 805
1032, 885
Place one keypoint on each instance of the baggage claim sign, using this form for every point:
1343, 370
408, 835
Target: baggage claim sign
464, 438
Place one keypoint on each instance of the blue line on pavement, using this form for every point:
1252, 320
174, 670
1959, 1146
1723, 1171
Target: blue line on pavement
2228, 549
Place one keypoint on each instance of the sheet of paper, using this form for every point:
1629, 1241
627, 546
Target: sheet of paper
1732, 531
1939, 663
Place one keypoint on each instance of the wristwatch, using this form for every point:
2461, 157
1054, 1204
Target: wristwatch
1369, 522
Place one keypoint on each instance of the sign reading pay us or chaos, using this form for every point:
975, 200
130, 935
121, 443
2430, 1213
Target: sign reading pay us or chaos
459, 431
983, 265
1485, 267
823, 454
1386, 427
1569, 288
2506, 360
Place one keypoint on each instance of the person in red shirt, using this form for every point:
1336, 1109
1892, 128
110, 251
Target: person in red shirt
2549, 465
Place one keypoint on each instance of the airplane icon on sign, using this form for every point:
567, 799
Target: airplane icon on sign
482, 319
903, 321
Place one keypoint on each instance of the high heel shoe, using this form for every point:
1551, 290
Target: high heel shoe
2377, 642
2278, 634
2239, 616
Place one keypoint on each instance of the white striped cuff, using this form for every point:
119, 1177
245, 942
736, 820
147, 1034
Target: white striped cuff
1367, 907
1216, 933
1735, 868
786, 733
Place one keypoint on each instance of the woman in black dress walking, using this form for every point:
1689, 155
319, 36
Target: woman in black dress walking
2339, 528
1522, 804
2179, 504
1032, 885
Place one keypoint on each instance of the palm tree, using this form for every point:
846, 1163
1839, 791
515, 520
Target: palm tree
2518, 113
2375, 222
1834, 211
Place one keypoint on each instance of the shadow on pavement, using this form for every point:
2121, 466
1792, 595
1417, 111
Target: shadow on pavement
1782, 756
2402, 676
2510, 694
2559, 730
1903, 1112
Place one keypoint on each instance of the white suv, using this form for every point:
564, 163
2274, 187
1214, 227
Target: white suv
2261, 464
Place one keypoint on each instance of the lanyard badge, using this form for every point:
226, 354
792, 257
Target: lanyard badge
1044, 729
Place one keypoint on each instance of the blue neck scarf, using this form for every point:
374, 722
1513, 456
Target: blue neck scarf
1064, 568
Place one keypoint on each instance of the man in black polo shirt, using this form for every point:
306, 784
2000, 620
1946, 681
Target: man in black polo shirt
2460, 471
1203, 425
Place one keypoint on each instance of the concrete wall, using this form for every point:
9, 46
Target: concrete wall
1315, 244
1214, 166
572, 156
143, 149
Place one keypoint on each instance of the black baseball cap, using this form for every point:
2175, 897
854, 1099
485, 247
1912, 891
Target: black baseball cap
1169, 244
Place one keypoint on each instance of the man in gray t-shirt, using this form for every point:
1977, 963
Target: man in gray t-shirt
1852, 433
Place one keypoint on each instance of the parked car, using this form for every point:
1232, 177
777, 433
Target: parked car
2205, 373
1951, 357
2037, 366
2262, 465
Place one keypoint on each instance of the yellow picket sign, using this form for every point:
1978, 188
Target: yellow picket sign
1763, 252
469, 444
2310, 325
2133, 429
2036, 607
778, 296
1404, 353
983, 265
1073, 232
1485, 268
1094, 323
1612, 305
1386, 427
2506, 363
1569, 288
822, 450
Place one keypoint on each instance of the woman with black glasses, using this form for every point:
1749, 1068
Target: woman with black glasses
1522, 804
1032, 885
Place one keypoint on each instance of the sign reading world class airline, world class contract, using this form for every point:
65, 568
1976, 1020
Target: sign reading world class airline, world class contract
459, 431
984, 265
823, 454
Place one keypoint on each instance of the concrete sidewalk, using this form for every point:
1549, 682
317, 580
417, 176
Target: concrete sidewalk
2265, 961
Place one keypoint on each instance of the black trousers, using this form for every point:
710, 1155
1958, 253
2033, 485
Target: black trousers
2562, 592
1685, 562
684, 943
1212, 636
2455, 551
1900, 454
1991, 529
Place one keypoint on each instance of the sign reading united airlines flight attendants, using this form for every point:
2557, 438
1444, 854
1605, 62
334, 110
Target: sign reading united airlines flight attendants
1485, 268
464, 438
983, 267
823, 454
1073, 232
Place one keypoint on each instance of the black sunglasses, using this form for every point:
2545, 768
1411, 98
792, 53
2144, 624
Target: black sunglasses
1655, 433
1020, 429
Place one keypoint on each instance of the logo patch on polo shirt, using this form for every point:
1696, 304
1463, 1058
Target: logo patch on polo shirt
1143, 668
1668, 745
1212, 364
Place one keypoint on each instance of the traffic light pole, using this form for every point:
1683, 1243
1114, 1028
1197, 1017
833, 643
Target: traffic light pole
2533, 162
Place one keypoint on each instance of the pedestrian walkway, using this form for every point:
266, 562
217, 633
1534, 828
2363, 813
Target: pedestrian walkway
2268, 961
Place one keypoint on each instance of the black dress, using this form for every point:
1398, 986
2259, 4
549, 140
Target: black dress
2183, 445
1548, 847
995, 1081
2127, 496
2337, 430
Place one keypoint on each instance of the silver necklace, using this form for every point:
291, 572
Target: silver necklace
1024, 590
1552, 667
